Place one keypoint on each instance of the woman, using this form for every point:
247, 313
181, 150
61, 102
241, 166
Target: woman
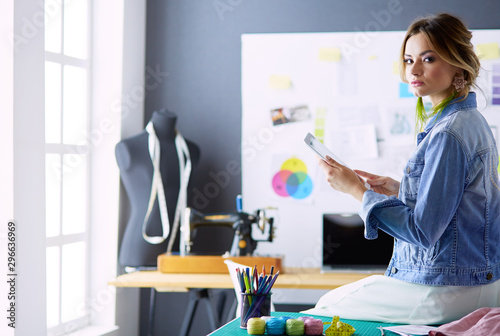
445, 212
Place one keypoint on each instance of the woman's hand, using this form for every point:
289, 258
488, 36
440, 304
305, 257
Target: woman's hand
380, 184
342, 178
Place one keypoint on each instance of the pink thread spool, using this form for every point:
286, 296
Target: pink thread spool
313, 326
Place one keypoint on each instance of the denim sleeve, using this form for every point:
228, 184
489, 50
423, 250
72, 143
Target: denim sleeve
371, 204
439, 194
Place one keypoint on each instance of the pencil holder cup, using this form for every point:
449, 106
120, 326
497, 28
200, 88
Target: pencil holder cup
254, 305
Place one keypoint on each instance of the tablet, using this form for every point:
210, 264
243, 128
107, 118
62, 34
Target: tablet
320, 149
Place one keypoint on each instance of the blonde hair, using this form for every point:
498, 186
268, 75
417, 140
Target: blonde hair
451, 40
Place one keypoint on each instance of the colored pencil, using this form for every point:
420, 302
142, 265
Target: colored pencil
263, 290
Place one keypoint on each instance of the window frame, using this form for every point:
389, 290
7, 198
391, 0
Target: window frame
62, 149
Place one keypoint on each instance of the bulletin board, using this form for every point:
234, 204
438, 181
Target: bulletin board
344, 88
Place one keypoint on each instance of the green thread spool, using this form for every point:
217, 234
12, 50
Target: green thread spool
294, 327
256, 326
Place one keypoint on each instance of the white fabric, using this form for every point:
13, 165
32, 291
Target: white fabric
384, 299
157, 186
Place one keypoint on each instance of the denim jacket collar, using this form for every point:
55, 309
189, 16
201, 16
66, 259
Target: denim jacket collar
452, 107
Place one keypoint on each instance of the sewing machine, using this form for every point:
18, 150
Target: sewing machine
249, 229
243, 224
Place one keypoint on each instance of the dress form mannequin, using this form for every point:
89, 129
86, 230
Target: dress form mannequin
136, 172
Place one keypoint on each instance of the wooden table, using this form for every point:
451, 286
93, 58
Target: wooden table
297, 278
198, 285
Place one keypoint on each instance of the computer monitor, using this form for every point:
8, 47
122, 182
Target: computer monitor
346, 249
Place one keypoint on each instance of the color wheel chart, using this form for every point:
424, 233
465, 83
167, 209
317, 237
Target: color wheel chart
292, 180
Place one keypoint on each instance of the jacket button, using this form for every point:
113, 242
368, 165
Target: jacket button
394, 270
489, 276
408, 170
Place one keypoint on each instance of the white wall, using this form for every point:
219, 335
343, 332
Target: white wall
29, 166
118, 100
132, 109
6, 139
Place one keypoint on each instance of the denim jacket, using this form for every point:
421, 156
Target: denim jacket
446, 219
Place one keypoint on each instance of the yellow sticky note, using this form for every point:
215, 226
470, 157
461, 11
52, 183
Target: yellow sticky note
320, 122
329, 54
280, 82
395, 67
319, 133
488, 50
320, 112
372, 57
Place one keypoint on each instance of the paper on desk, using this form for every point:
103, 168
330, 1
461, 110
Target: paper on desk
409, 330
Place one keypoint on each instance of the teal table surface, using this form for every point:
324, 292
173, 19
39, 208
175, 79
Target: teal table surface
363, 328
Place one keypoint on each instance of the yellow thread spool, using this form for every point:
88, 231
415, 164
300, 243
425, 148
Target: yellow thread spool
256, 326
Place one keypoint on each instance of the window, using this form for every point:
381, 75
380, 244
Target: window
67, 160
82, 181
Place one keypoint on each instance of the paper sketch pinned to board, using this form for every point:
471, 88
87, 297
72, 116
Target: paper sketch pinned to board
495, 84
399, 125
352, 115
355, 142
284, 115
291, 178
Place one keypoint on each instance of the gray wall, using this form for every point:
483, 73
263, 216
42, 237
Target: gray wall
198, 43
